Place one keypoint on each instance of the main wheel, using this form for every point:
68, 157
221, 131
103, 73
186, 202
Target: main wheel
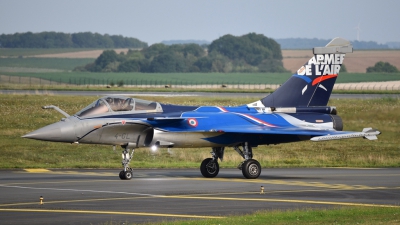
251, 169
209, 168
128, 175
122, 175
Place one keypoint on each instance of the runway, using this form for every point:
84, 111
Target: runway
94, 196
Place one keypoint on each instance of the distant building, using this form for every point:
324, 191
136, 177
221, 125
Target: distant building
393, 45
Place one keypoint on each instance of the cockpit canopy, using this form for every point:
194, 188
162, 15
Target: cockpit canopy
119, 104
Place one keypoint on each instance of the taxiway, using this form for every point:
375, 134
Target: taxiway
93, 196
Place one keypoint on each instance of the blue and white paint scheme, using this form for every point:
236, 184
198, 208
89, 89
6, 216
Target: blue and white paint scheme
296, 111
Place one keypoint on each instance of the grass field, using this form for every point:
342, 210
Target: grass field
337, 216
43, 68
50, 87
14, 52
22, 114
47, 63
356, 62
187, 78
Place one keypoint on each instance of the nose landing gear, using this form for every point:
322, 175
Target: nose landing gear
126, 174
210, 167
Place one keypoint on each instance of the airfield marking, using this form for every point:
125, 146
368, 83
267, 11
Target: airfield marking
220, 199
195, 196
274, 182
77, 190
76, 200
353, 168
56, 182
258, 181
84, 181
139, 194
102, 174
37, 170
283, 200
112, 213
298, 183
158, 196
70, 172
142, 175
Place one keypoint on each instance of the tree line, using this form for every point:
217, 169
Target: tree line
310, 43
382, 67
248, 53
66, 40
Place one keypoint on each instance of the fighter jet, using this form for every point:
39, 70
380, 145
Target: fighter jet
296, 111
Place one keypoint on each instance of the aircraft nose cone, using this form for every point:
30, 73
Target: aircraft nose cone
51, 132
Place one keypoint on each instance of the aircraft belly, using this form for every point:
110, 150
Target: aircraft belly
215, 139
187, 139
230, 139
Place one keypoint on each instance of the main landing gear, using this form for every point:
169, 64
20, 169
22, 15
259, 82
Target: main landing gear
127, 155
250, 167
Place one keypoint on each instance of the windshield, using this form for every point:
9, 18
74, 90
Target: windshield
145, 105
119, 104
97, 107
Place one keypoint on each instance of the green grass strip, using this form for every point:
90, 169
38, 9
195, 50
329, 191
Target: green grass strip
345, 215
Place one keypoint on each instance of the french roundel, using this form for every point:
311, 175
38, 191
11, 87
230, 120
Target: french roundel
193, 122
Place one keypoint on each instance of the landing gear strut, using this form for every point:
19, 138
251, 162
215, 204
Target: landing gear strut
127, 155
210, 167
250, 167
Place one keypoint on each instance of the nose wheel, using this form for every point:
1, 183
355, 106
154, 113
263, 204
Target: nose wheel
209, 168
125, 175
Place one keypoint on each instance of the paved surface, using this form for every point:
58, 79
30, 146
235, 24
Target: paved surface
99, 196
172, 94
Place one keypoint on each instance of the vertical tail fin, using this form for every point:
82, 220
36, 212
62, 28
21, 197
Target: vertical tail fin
312, 84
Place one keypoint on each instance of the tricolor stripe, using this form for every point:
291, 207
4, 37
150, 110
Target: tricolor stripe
222, 109
322, 78
256, 120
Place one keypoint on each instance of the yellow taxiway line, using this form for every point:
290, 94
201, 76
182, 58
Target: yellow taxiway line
212, 197
297, 183
324, 186
111, 213
274, 182
282, 200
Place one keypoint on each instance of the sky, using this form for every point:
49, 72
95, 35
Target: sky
153, 21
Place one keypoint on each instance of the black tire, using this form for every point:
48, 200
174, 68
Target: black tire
251, 169
128, 175
209, 168
122, 175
